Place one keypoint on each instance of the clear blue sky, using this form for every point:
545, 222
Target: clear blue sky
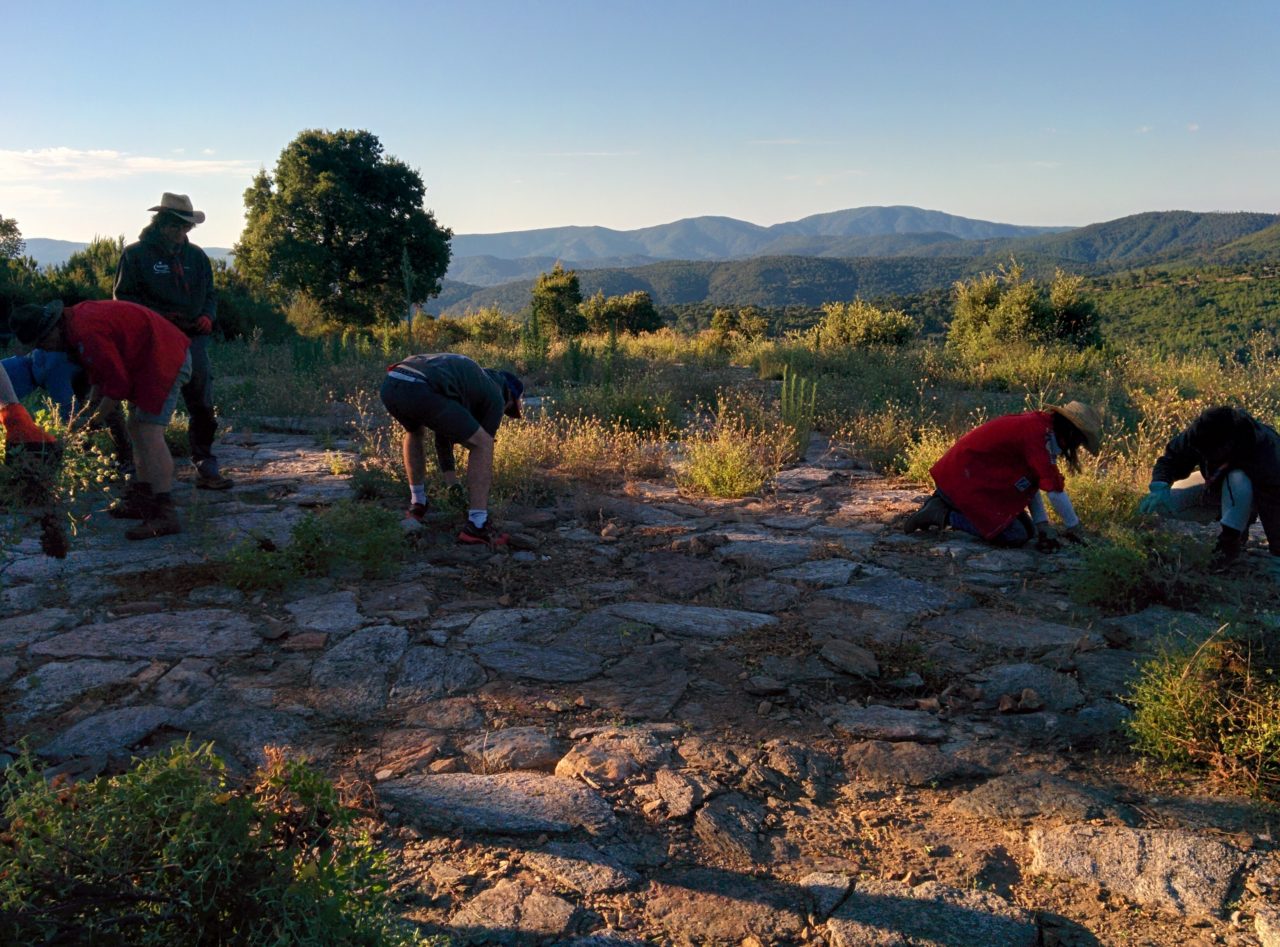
523, 114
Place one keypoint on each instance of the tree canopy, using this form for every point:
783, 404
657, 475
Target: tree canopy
12, 245
341, 223
556, 302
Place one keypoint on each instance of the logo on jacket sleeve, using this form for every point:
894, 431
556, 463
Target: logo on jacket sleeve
1023, 485
161, 268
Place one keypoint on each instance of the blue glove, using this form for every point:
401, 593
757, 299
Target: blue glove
1158, 501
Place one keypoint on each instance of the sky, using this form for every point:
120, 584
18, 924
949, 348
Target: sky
522, 115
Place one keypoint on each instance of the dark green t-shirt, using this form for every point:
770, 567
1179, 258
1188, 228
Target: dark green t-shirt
479, 391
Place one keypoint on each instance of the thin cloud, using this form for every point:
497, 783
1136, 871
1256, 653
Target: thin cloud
1193, 128
73, 164
776, 141
1144, 130
586, 154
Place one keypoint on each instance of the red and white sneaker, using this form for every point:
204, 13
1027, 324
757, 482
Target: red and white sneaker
417, 511
485, 535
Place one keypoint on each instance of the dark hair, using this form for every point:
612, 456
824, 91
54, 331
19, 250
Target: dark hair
164, 218
1070, 438
1223, 429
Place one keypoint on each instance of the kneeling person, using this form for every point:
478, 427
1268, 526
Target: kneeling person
1225, 465
128, 353
460, 403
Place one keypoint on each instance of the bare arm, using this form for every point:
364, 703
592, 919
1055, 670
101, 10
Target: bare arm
415, 463
7, 394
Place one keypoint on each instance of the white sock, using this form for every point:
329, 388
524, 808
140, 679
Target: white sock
478, 518
418, 491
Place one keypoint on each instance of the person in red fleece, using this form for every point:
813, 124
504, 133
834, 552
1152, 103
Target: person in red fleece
37, 455
19, 429
129, 353
989, 482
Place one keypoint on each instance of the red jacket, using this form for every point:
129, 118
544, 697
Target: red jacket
991, 474
129, 352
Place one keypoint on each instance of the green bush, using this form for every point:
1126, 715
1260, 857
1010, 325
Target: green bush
797, 404
732, 459
1127, 570
1213, 707
173, 851
859, 324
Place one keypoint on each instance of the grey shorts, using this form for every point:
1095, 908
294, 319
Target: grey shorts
416, 405
170, 402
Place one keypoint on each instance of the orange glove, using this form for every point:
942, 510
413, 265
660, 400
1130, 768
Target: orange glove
204, 325
20, 429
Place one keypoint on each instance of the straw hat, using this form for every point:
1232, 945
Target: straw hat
1085, 418
180, 206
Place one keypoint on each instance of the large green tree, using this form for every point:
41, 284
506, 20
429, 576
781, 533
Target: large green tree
556, 302
341, 223
12, 245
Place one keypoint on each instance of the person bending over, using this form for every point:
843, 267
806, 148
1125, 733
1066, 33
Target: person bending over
460, 403
989, 482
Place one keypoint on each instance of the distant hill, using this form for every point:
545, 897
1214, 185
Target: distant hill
724, 238
49, 252
1258, 247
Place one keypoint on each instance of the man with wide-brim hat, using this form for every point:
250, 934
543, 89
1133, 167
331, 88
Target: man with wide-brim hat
130, 354
166, 272
990, 480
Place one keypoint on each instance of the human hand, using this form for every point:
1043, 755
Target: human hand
203, 325
20, 429
1158, 501
1046, 541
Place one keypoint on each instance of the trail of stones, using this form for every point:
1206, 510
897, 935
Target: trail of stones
667, 720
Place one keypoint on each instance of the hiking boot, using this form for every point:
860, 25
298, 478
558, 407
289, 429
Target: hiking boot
208, 478
161, 520
932, 515
485, 535
133, 505
1226, 550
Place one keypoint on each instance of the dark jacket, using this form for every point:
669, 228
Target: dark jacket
178, 285
1255, 451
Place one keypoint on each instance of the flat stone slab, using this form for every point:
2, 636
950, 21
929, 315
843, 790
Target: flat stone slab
538, 663
892, 914
705, 906
823, 573
894, 724
1108, 674
646, 685
1144, 629
678, 575
581, 867
1018, 796
515, 624
694, 621
798, 479
515, 748
506, 803
896, 594
512, 913
351, 679
1008, 632
1057, 691
881, 762
23, 630
237, 728
204, 633
769, 552
427, 673
59, 683
334, 613
111, 731
1171, 870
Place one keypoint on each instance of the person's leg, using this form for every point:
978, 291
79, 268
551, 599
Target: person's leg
151, 453
197, 395
1236, 508
18, 368
1191, 501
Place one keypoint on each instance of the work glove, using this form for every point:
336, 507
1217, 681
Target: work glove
1158, 501
203, 325
19, 429
1046, 541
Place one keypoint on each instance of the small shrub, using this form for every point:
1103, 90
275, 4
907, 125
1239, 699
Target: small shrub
1129, 569
732, 459
797, 404
859, 324
174, 851
1214, 707
922, 453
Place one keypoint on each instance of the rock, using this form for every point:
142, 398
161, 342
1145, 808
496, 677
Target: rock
581, 867
877, 722
1266, 924
506, 625
891, 914
612, 757
215, 595
850, 658
352, 679
512, 913
787, 770
59, 683
826, 889
515, 748
8, 668
896, 594
335, 613
1097, 722
769, 552
800, 479
729, 825
427, 673
646, 685
537, 662
789, 522
109, 732
23, 630
821, 573
1145, 629
450, 713
680, 793
680, 576
905, 764
404, 602
692, 621
507, 803
200, 633
236, 729
1017, 796
1107, 674
1008, 632
765, 595
1171, 870
1057, 692
705, 906
761, 685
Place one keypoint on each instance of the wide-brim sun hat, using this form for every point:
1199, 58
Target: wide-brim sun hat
181, 207
1086, 419
30, 323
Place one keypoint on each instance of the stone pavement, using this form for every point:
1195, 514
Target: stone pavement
666, 720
